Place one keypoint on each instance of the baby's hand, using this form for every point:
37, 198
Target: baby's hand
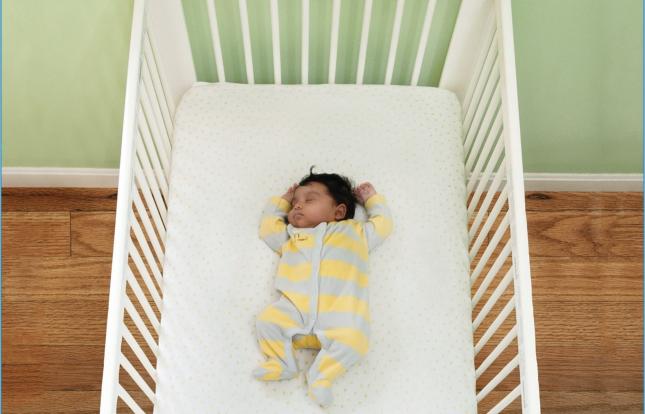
364, 191
289, 194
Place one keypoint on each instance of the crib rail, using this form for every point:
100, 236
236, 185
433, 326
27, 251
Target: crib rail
503, 326
502, 314
136, 287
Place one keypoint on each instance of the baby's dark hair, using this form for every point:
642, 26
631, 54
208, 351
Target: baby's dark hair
340, 188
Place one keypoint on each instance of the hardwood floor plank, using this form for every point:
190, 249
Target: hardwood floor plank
59, 199
55, 277
586, 201
27, 234
603, 279
53, 321
92, 233
55, 402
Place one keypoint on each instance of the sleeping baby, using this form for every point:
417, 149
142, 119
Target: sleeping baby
322, 277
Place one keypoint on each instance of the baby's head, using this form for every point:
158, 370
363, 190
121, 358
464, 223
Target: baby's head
322, 197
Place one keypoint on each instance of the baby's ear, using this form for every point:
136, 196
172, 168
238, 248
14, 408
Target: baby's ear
341, 211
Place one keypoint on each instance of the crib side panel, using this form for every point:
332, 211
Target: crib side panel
136, 284
503, 326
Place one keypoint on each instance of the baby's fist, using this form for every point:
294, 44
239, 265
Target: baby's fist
289, 194
364, 191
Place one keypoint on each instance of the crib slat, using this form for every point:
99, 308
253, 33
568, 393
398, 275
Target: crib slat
305, 42
153, 211
504, 343
275, 31
473, 125
153, 122
149, 175
492, 245
129, 400
141, 326
246, 37
138, 351
155, 101
333, 45
154, 202
490, 164
475, 152
497, 264
485, 74
472, 204
362, 53
488, 224
138, 263
145, 131
160, 81
489, 32
510, 305
485, 177
143, 244
510, 397
217, 45
423, 42
138, 379
143, 301
498, 378
493, 110
490, 192
148, 227
154, 175
493, 298
394, 43
148, 148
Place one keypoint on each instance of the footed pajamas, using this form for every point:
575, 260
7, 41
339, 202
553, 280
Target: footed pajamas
323, 280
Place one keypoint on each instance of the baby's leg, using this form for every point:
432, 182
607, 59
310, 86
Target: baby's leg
275, 327
341, 348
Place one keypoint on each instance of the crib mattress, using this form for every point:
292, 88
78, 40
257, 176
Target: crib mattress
236, 145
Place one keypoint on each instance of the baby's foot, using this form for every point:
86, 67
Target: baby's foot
320, 392
272, 370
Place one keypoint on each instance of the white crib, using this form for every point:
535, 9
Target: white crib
479, 68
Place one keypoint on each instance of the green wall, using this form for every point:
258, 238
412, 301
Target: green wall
63, 81
579, 73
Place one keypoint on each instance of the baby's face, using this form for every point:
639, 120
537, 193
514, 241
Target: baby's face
312, 204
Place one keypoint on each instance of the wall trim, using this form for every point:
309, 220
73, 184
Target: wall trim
109, 178
60, 177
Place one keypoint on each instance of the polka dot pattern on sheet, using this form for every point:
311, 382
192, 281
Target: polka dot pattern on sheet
234, 146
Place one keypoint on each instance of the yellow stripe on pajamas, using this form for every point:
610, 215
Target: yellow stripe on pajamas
306, 341
277, 317
299, 299
333, 303
344, 241
329, 369
351, 337
342, 270
271, 225
382, 225
272, 347
274, 368
295, 273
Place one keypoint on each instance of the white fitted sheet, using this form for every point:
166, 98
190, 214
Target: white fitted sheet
236, 145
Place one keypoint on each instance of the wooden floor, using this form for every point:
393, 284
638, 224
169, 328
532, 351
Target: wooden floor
586, 262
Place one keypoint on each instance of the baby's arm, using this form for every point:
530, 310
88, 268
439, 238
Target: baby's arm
273, 227
379, 224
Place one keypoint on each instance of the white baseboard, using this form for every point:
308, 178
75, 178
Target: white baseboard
60, 177
107, 177
583, 182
